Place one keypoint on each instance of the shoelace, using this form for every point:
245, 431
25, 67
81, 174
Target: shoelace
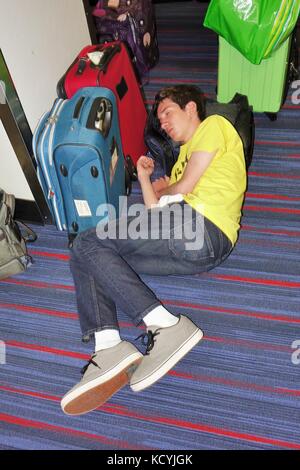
91, 361
150, 340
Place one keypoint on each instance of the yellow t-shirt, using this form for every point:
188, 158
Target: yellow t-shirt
219, 193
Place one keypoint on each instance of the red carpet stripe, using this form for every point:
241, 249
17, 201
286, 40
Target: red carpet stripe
268, 244
37, 284
274, 175
291, 106
180, 375
231, 311
30, 393
61, 257
43, 396
28, 423
282, 210
200, 307
270, 282
173, 70
189, 80
188, 48
250, 344
47, 254
45, 349
265, 282
232, 341
155, 419
41, 311
277, 143
289, 233
76, 355
278, 156
235, 383
213, 430
271, 196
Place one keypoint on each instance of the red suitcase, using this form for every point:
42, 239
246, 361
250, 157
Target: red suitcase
115, 71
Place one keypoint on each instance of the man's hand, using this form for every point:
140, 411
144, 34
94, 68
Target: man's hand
160, 184
145, 167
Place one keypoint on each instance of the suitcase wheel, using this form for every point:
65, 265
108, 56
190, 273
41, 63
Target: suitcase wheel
75, 226
71, 238
128, 182
271, 116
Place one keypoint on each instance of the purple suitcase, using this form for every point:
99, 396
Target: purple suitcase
133, 22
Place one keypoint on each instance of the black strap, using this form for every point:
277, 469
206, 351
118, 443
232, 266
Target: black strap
28, 234
81, 66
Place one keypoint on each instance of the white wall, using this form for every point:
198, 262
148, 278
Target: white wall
39, 39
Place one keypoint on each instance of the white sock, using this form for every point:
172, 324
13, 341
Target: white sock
105, 339
160, 316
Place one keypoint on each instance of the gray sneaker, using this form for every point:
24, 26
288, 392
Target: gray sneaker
165, 347
106, 372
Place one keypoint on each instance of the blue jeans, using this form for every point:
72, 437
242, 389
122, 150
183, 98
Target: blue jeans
106, 270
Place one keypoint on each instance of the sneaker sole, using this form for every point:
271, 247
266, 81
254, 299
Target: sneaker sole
93, 394
171, 362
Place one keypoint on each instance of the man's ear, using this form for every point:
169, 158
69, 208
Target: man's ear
191, 108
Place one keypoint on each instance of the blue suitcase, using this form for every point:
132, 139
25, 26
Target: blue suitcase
80, 161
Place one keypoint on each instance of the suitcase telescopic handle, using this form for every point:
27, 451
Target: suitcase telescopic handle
108, 55
100, 116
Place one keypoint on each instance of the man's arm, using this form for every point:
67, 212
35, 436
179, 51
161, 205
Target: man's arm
195, 168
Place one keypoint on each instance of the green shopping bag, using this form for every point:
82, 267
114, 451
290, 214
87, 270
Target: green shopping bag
284, 24
254, 27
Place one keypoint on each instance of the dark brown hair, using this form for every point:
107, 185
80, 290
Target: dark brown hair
182, 95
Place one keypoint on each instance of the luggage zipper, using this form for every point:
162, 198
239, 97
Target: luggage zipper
132, 26
52, 122
35, 141
51, 194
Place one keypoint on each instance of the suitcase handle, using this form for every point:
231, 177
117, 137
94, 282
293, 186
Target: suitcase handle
109, 53
100, 116
81, 66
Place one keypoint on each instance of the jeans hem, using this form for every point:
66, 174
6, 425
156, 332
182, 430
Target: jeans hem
86, 337
139, 318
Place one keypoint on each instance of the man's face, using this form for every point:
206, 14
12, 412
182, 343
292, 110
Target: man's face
174, 120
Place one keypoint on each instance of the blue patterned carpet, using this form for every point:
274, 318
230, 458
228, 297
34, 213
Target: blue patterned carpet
239, 388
